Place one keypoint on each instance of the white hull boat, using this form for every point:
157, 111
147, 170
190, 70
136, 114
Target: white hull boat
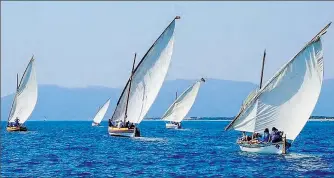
172, 126
144, 84
100, 114
286, 102
95, 124
181, 106
269, 148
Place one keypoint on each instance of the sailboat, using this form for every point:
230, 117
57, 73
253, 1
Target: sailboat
143, 86
100, 113
181, 106
285, 102
25, 99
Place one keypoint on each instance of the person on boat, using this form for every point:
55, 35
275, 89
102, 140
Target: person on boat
275, 135
127, 124
255, 136
17, 124
110, 123
245, 137
120, 124
265, 137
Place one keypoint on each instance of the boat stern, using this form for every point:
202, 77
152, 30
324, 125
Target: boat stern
172, 126
16, 129
268, 148
95, 124
121, 132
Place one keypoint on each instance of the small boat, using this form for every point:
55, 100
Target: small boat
181, 106
143, 86
100, 113
25, 99
285, 102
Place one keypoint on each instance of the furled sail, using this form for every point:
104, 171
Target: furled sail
26, 95
287, 100
147, 79
102, 111
181, 106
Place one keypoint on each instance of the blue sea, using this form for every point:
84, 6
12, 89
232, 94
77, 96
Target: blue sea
201, 149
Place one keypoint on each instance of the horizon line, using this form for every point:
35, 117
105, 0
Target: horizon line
101, 86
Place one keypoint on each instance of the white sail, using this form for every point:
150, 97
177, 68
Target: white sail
102, 111
26, 95
147, 79
181, 106
288, 99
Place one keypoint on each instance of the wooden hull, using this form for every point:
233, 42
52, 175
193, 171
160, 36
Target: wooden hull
268, 148
122, 132
17, 129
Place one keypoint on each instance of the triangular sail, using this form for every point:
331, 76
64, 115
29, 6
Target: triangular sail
287, 100
147, 79
182, 105
102, 111
26, 95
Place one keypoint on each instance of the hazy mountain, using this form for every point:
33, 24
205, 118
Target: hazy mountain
215, 98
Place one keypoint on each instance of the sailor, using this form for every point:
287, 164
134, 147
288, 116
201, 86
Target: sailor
120, 124
17, 122
265, 135
127, 124
275, 135
132, 125
110, 123
245, 137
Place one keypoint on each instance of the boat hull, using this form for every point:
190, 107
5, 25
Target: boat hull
95, 124
269, 148
121, 132
172, 126
17, 129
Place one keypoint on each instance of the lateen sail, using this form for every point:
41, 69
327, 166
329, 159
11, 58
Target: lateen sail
147, 79
287, 100
102, 111
26, 95
181, 106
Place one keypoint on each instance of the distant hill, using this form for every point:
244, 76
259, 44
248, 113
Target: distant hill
216, 98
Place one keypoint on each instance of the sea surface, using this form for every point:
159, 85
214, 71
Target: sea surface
201, 149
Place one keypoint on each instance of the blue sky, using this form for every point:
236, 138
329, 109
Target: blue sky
79, 44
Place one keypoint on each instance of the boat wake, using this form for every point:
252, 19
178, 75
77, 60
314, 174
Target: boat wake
149, 139
183, 129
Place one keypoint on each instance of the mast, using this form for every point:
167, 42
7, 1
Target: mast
175, 95
316, 37
17, 81
127, 100
140, 62
25, 71
264, 58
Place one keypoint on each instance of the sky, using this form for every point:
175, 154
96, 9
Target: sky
81, 44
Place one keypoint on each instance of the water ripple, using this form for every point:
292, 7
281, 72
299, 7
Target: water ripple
201, 149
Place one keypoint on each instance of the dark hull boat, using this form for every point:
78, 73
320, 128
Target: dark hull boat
143, 86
